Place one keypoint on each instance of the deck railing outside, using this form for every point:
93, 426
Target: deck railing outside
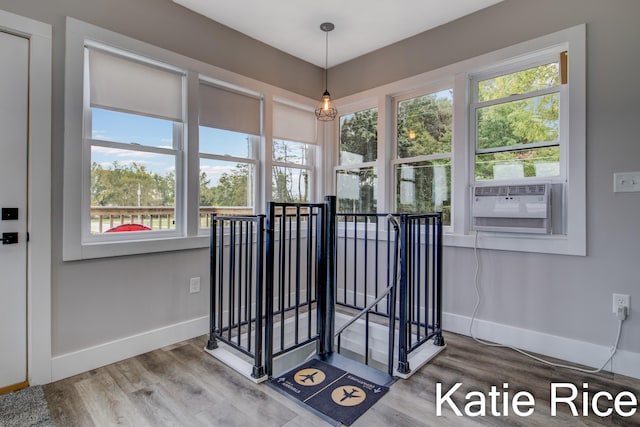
104, 218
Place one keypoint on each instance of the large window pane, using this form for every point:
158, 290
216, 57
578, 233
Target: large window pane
532, 79
539, 162
424, 187
288, 182
424, 124
226, 142
359, 137
290, 185
519, 122
107, 125
290, 152
226, 184
129, 186
356, 190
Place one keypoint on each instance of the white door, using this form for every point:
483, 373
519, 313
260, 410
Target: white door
14, 107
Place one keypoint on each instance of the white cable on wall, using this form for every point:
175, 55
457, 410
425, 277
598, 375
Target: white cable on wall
614, 349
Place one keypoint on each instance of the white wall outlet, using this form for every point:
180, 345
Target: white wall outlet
194, 285
620, 300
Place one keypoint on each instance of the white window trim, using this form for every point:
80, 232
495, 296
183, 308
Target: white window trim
318, 152
561, 89
191, 236
395, 160
381, 151
573, 153
315, 149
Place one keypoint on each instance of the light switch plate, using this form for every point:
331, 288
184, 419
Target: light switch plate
626, 182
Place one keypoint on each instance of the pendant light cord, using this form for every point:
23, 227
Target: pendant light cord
326, 59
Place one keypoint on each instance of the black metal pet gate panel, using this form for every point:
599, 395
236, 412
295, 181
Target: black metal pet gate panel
269, 274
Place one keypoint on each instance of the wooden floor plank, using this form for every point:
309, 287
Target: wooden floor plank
107, 404
65, 405
227, 382
159, 406
181, 385
131, 376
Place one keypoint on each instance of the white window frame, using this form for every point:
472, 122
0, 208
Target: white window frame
509, 67
88, 142
375, 165
315, 151
188, 234
307, 166
395, 161
254, 160
573, 151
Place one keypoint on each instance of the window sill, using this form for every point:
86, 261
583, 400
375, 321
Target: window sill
518, 242
137, 247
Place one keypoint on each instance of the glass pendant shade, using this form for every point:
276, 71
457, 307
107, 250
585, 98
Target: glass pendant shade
325, 111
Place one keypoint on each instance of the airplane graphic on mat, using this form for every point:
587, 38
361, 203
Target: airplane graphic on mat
309, 377
351, 395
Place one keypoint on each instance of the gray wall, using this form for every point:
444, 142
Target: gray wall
559, 295
102, 300
98, 301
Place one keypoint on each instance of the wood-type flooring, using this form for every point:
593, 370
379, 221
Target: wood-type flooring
181, 385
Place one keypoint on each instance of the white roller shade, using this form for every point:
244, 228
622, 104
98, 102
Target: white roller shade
224, 109
293, 124
127, 85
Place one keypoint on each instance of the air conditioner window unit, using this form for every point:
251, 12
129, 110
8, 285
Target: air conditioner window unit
512, 208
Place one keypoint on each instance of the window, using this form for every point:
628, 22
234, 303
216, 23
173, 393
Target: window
155, 141
356, 174
512, 116
133, 135
229, 136
422, 167
291, 176
517, 123
293, 152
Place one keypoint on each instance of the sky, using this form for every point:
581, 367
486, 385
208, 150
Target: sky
140, 130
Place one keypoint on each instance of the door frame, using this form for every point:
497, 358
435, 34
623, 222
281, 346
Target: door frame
39, 194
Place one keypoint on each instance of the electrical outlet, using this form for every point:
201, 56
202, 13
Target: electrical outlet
194, 285
620, 300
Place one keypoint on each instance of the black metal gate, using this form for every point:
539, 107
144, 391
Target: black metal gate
276, 280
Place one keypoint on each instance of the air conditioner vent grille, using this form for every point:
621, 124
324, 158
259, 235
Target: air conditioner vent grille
527, 190
511, 190
491, 191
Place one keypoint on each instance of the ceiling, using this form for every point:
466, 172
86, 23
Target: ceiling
361, 26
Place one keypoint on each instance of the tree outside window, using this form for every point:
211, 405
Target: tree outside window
423, 157
517, 124
356, 175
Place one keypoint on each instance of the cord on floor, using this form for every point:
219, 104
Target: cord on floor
614, 349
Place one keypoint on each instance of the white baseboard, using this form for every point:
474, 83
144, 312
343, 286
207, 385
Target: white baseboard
568, 349
70, 364
574, 351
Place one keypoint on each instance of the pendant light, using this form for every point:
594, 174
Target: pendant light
325, 110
